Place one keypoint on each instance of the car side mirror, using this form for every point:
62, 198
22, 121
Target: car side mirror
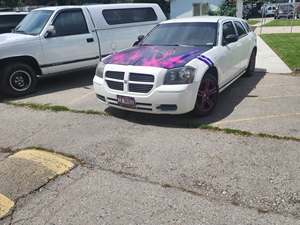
139, 40
50, 31
230, 38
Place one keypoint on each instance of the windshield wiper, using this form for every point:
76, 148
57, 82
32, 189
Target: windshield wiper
20, 31
23, 32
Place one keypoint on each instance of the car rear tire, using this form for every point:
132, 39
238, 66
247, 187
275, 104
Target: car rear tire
207, 96
252, 62
18, 79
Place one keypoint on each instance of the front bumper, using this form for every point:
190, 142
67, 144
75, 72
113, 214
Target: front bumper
163, 99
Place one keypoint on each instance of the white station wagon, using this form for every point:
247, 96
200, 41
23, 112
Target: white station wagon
180, 66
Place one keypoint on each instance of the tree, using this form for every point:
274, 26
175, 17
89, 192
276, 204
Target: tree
10, 3
228, 8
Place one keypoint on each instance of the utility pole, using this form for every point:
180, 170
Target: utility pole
239, 8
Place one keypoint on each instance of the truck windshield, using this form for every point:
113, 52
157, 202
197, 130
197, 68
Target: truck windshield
34, 22
183, 34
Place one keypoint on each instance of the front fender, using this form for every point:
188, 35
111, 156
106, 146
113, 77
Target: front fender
201, 69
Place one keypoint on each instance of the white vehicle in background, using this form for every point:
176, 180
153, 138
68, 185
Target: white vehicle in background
180, 66
60, 39
268, 10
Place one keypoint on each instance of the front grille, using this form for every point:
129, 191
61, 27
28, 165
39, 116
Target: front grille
140, 88
137, 82
141, 77
115, 75
115, 85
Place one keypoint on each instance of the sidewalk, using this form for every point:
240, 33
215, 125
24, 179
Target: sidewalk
277, 30
268, 61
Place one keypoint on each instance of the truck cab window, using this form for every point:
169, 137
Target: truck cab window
70, 23
123, 16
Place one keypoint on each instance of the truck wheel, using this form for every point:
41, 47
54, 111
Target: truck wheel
252, 62
18, 79
207, 96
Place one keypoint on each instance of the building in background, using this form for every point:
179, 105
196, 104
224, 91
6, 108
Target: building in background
187, 8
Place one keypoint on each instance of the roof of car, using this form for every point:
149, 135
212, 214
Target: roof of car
12, 13
204, 19
119, 5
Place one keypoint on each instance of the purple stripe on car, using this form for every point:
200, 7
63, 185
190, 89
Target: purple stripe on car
205, 61
208, 59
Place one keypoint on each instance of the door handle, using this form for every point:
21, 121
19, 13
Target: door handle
89, 40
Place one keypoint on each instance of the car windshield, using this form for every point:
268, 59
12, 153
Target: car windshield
34, 22
183, 34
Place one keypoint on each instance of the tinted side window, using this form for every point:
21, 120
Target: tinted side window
70, 23
246, 25
228, 29
134, 15
240, 29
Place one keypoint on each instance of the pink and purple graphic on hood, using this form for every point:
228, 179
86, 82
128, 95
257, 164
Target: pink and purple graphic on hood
167, 57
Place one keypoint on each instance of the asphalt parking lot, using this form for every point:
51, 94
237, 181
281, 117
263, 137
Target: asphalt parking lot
128, 168
263, 103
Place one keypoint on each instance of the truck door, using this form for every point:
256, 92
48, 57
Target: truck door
72, 45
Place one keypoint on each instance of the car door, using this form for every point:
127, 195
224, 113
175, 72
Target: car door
72, 46
229, 58
244, 44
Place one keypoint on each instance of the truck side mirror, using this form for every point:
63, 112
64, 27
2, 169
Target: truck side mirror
50, 31
140, 38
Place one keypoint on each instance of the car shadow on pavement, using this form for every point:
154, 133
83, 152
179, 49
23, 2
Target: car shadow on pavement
228, 100
83, 78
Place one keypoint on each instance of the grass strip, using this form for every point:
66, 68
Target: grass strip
54, 108
57, 108
252, 22
287, 46
247, 133
282, 22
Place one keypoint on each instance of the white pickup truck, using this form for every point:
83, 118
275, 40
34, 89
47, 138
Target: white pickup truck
52, 40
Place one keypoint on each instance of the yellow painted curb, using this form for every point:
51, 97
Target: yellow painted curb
57, 163
5, 205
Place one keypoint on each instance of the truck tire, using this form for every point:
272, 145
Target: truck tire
207, 96
252, 62
17, 79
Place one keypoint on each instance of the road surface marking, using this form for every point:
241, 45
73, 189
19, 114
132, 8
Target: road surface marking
256, 118
283, 96
81, 98
5, 205
57, 163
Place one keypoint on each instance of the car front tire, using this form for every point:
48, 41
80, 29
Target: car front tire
18, 79
207, 96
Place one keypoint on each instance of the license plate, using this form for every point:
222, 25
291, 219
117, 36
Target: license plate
126, 101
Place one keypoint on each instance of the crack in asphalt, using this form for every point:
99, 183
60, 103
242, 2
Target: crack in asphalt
134, 178
138, 178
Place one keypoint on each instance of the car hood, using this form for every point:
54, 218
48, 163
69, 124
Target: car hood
13, 38
167, 57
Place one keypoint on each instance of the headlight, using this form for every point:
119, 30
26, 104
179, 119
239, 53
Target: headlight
183, 75
100, 69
